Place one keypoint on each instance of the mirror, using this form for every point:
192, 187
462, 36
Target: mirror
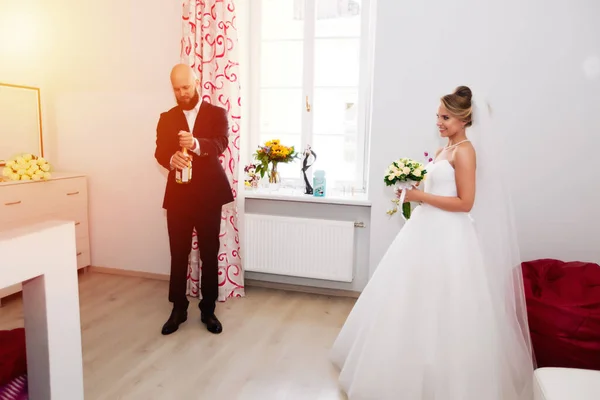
20, 121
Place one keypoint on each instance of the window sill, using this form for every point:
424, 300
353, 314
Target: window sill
297, 195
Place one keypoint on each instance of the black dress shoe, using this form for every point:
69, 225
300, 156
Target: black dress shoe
212, 323
177, 318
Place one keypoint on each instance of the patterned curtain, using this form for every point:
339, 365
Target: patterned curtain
209, 45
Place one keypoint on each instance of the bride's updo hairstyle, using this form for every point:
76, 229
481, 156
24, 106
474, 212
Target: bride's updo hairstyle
459, 104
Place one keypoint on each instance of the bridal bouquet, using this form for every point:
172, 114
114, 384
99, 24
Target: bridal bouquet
404, 174
27, 167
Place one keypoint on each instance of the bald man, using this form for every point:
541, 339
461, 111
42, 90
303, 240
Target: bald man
203, 129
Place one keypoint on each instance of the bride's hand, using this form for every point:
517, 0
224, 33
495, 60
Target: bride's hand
399, 192
411, 195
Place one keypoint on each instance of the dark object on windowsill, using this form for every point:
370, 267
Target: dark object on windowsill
309, 154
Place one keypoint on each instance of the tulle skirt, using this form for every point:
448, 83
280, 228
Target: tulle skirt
425, 327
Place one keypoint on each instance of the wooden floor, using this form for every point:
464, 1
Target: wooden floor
274, 344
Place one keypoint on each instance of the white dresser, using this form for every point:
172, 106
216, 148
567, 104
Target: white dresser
63, 197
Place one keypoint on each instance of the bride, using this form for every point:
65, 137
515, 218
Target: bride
444, 316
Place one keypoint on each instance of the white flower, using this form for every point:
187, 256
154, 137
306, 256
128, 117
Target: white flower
406, 170
417, 173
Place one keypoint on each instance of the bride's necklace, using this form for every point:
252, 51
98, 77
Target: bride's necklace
455, 144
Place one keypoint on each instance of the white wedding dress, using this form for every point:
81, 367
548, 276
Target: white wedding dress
425, 326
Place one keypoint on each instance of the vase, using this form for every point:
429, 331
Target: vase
274, 178
274, 175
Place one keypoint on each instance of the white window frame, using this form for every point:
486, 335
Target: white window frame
364, 89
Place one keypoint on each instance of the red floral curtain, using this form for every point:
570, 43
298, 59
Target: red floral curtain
209, 45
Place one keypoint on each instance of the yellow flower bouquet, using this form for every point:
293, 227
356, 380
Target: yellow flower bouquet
27, 167
273, 152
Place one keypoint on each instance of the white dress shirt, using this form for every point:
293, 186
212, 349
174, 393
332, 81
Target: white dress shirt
190, 116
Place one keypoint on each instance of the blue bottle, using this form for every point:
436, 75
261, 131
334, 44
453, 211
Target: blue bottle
319, 183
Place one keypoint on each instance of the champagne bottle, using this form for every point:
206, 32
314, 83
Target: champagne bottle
184, 176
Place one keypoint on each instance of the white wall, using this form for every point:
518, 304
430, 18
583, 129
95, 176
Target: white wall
529, 57
25, 46
110, 81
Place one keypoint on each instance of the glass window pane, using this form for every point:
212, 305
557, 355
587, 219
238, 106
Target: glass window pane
337, 62
335, 78
281, 64
280, 111
338, 18
337, 156
335, 111
282, 19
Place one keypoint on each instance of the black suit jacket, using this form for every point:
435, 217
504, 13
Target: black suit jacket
209, 186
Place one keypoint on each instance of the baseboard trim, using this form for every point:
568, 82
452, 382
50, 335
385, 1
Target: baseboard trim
126, 272
302, 289
248, 282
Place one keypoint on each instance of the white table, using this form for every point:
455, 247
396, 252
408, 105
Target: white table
43, 257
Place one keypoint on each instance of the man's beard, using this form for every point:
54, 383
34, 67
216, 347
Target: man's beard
191, 103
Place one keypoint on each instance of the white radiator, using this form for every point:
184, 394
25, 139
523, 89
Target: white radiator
309, 248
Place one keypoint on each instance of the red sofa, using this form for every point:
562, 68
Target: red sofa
13, 356
563, 307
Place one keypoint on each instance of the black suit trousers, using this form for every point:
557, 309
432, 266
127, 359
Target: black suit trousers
180, 225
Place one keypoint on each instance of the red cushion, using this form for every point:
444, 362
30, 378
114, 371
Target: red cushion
563, 306
13, 357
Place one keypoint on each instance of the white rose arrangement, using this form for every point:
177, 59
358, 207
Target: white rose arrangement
27, 167
405, 174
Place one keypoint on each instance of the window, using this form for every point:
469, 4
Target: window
310, 83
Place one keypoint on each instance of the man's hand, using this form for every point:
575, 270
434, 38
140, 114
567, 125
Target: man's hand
186, 139
180, 160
